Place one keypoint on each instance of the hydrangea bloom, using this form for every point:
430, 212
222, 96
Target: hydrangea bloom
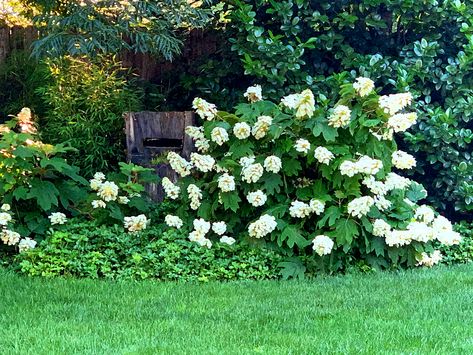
323, 155
98, 204
363, 86
135, 224
5, 218
261, 127
254, 93
227, 240
57, 218
322, 245
123, 200
401, 122
9, 237
242, 130
340, 117
204, 163
317, 206
272, 164
302, 145
219, 135
204, 109
392, 104
219, 228
252, 173
5, 207
381, 228
108, 191
171, 190
173, 221
424, 213
299, 209
26, 244
226, 183
402, 160
430, 260
195, 196
303, 103
265, 225
360, 206
257, 198
179, 164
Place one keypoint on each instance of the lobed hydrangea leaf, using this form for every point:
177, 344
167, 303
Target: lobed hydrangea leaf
293, 268
292, 236
272, 184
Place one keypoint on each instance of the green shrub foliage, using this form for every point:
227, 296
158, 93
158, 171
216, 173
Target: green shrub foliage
308, 170
87, 250
423, 47
87, 100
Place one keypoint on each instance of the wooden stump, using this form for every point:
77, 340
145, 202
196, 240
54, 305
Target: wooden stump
151, 134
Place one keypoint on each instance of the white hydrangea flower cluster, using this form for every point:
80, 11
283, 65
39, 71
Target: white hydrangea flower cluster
242, 130
107, 191
252, 173
179, 164
340, 117
302, 145
424, 228
364, 165
201, 228
403, 160
172, 191
57, 218
323, 155
173, 221
394, 181
360, 206
301, 209
195, 195
322, 245
26, 244
401, 122
9, 237
303, 103
204, 109
261, 126
392, 104
257, 198
135, 224
219, 228
203, 163
363, 86
219, 135
226, 183
272, 164
263, 226
254, 93
227, 240
430, 260
197, 134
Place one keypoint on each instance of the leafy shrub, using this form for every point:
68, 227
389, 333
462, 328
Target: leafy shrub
299, 172
86, 101
35, 179
87, 250
111, 26
20, 77
422, 47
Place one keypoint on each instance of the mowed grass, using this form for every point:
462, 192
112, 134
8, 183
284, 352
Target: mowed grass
412, 312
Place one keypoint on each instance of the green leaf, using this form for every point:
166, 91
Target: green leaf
44, 192
292, 269
230, 201
331, 214
273, 184
291, 167
241, 148
292, 235
345, 231
277, 211
416, 192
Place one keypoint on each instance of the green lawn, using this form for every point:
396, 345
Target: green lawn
414, 312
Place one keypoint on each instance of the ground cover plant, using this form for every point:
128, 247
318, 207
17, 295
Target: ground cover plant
308, 170
416, 311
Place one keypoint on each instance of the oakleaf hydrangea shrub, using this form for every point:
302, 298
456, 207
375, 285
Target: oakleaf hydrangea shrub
308, 172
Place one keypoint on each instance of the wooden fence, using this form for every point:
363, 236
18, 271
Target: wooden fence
198, 43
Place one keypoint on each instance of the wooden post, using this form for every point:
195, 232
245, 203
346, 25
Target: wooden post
150, 134
4, 43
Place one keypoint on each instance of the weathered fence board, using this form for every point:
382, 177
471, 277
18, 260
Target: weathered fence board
150, 134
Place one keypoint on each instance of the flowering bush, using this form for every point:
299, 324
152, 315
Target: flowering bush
308, 171
35, 182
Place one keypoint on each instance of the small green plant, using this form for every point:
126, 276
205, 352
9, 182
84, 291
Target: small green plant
86, 102
89, 250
